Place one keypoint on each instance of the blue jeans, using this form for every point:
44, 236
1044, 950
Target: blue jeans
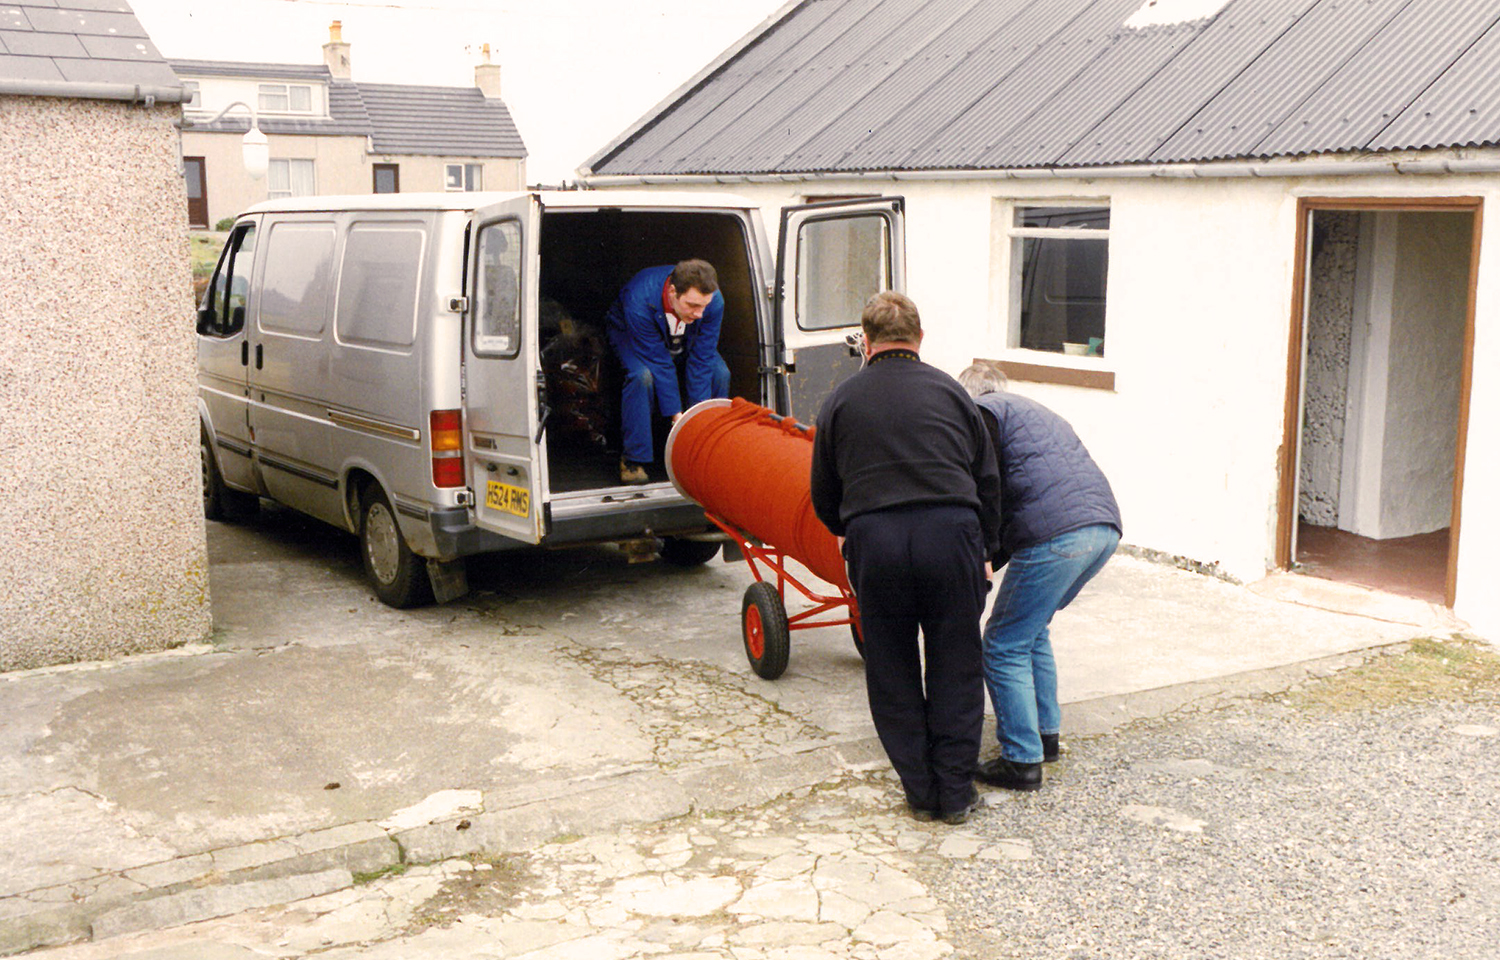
1018, 665
635, 404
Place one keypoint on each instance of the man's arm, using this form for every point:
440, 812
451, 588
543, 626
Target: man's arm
647, 341
703, 349
987, 482
827, 488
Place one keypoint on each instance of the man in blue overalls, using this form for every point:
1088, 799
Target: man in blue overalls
664, 327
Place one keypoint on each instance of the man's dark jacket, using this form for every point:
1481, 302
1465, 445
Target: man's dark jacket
901, 433
1049, 483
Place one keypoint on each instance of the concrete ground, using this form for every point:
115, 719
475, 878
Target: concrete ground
322, 738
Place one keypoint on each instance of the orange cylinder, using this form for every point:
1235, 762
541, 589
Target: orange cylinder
753, 469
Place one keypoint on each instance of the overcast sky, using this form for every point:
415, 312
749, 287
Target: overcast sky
575, 73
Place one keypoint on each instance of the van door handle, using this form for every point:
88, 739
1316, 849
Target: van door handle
259, 356
244, 353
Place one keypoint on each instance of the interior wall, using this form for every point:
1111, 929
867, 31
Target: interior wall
1428, 316
1330, 322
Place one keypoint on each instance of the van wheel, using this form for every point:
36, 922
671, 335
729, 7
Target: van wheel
398, 575
220, 502
688, 553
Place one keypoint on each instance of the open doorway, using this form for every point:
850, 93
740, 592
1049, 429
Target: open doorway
1378, 393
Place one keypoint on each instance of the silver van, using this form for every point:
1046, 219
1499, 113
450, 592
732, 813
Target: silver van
430, 372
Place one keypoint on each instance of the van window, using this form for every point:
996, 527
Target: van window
231, 288
842, 262
497, 331
296, 278
379, 283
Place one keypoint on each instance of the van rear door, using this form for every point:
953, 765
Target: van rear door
831, 258
502, 371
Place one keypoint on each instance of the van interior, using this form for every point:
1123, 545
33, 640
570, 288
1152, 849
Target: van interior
586, 257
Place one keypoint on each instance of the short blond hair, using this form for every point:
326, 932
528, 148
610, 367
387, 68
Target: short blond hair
890, 317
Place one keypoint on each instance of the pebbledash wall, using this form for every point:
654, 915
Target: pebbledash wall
1200, 285
101, 519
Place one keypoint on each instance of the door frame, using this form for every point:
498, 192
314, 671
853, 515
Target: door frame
1291, 432
394, 168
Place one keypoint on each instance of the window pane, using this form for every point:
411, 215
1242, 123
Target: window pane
233, 317
302, 183
473, 176
453, 177
498, 311
841, 263
273, 97
278, 179
379, 283
1076, 218
297, 279
1062, 293
301, 99
385, 178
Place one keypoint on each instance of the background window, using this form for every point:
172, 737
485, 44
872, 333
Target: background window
379, 283
285, 98
387, 178
1059, 263
464, 176
498, 328
290, 178
296, 278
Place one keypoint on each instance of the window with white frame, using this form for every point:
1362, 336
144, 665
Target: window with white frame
1059, 264
285, 98
464, 176
290, 178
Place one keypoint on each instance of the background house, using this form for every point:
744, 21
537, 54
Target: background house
1240, 244
101, 516
329, 135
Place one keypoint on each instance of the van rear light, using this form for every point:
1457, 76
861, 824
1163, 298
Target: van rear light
447, 437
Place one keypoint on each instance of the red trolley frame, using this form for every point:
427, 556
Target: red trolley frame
764, 621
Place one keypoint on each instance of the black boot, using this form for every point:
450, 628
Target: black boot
1009, 774
1050, 748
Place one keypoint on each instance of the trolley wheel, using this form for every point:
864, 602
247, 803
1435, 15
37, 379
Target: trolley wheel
768, 640
859, 639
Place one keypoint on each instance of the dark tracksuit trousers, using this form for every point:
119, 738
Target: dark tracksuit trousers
923, 567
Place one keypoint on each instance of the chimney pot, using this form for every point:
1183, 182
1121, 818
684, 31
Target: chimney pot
487, 75
336, 51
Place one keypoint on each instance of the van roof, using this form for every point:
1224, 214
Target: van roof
477, 199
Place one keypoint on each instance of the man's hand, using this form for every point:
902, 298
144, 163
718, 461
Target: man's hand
675, 418
989, 571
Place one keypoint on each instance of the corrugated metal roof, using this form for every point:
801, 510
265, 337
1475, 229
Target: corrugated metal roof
838, 85
78, 47
399, 118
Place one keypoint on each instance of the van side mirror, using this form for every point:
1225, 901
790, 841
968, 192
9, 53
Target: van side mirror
205, 319
237, 318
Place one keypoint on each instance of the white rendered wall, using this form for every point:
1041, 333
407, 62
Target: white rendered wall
1200, 294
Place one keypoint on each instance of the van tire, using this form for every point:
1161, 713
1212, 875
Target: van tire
680, 552
398, 576
220, 502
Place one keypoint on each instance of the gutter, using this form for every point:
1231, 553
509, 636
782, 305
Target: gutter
130, 92
1188, 171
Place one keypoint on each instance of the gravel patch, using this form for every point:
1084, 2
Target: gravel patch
1264, 830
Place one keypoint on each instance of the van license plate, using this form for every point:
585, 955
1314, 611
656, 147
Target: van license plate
503, 496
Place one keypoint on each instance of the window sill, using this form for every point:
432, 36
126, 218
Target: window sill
1036, 366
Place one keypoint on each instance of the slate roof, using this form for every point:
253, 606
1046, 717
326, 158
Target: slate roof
400, 119
855, 85
81, 48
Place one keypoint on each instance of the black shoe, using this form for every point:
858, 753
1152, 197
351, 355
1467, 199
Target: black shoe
1009, 774
961, 815
921, 814
1050, 748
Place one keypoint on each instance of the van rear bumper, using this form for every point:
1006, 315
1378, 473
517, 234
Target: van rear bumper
455, 536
